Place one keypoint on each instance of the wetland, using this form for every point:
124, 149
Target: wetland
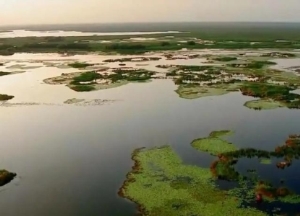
144, 125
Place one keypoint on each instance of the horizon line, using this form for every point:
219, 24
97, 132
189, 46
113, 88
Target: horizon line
143, 22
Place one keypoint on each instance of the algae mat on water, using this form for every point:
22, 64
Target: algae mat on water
197, 91
162, 185
214, 144
264, 104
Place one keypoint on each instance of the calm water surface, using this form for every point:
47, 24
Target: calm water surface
72, 160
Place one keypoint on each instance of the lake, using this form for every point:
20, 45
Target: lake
71, 160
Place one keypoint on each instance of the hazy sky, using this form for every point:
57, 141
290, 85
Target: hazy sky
96, 11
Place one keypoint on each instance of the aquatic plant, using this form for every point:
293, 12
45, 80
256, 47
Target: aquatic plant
6, 177
223, 168
5, 97
214, 144
140, 59
278, 93
191, 43
252, 65
83, 88
221, 133
193, 91
193, 67
86, 77
264, 104
4, 73
279, 55
79, 65
265, 161
225, 59
162, 185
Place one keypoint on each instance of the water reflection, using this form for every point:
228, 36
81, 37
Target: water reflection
71, 161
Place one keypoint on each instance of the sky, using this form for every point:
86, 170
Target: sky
18, 12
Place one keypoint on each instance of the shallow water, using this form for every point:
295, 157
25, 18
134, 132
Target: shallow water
72, 160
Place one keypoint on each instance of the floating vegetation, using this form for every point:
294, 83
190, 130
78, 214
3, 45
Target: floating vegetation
83, 88
88, 102
22, 67
225, 59
214, 144
5, 97
253, 65
223, 167
278, 93
4, 73
79, 65
90, 76
266, 161
279, 55
6, 177
264, 104
271, 193
193, 91
162, 185
101, 79
136, 59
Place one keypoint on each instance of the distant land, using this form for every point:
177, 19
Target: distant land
164, 26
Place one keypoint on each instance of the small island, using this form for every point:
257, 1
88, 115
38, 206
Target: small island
6, 177
102, 79
5, 97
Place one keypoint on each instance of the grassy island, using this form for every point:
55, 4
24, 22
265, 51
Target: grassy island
97, 80
161, 184
274, 95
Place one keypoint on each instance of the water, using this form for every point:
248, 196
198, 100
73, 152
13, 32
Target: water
72, 160
25, 33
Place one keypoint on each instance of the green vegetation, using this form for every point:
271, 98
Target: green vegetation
279, 55
278, 93
92, 80
139, 59
224, 36
86, 77
264, 104
214, 144
191, 43
162, 185
194, 68
192, 91
221, 133
253, 65
79, 65
223, 168
4, 97
4, 73
6, 177
273, 87
266, 161
225, 59
130, 75
83, 88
